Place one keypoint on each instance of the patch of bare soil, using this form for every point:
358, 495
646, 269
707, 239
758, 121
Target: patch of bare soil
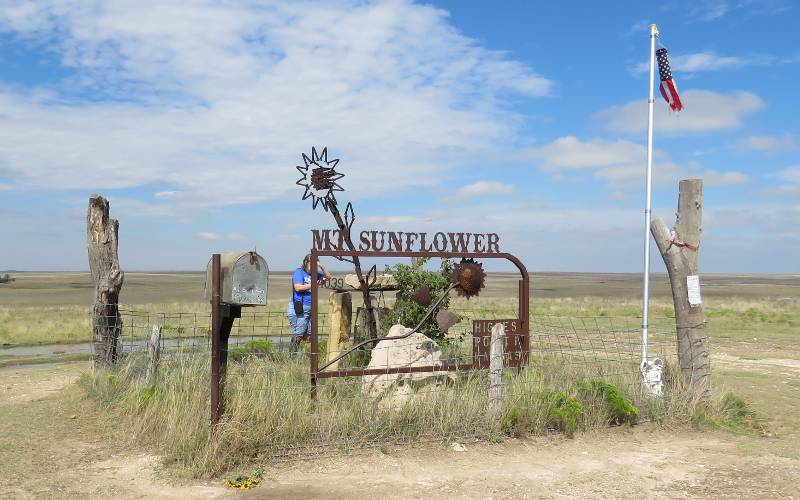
29, 383
792, 364
617, 464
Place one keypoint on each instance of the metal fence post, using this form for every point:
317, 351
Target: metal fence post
216, 324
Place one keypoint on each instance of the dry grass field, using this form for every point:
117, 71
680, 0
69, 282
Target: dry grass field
52, 308
56, 443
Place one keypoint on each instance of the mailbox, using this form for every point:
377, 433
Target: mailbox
244, 279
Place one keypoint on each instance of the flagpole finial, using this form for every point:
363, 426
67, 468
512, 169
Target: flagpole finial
654, 30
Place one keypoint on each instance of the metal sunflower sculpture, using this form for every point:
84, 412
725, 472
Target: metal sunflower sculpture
469, 278
319, 178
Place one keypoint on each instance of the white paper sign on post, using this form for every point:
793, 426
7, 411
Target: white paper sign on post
693, 290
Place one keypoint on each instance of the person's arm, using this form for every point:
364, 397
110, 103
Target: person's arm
325, 273
298, 282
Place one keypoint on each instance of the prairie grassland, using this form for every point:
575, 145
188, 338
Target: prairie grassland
268, 411
52, 308
734, 322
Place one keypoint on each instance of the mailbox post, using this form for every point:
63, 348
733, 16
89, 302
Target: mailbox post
233, 281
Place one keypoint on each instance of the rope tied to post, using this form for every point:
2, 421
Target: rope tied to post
673, 240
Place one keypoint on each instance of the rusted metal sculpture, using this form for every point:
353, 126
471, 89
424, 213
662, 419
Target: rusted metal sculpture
320, 182
423, 296
470, 277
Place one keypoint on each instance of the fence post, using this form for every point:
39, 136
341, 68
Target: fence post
216, 327
496, 370
680, 250
101, 238
153, 354
340, 312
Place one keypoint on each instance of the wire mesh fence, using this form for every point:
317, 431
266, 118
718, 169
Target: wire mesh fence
441, 394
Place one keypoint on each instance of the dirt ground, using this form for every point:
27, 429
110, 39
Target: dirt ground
50, 450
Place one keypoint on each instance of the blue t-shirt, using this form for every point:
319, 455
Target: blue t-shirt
301, 277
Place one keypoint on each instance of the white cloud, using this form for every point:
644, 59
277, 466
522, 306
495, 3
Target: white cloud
724, 178
619, 195
790, 186
640, 27
704, 111
209, 236
165, 195
213, 103
485, 188
710, 61
621, 163
783, 190
696, 62
770, 144
791, 174
571, 153
709, 10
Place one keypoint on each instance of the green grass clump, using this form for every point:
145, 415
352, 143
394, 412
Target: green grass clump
255, 347
565, 411
620, 409
730, 414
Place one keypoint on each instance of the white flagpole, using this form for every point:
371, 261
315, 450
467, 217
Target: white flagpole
647, 210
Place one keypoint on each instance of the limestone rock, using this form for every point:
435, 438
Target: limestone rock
458, 447
382, 282
396, 389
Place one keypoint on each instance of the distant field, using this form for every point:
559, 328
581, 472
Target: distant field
70, 289
742, 310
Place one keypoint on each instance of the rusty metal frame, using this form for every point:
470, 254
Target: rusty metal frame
523, 313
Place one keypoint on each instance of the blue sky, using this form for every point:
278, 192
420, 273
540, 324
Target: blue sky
522, 118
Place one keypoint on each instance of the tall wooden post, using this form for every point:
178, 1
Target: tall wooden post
101, 236
680, 251
496, 345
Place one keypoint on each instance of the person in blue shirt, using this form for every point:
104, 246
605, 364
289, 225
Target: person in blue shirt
299, 310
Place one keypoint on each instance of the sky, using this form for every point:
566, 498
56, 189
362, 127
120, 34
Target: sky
527, 119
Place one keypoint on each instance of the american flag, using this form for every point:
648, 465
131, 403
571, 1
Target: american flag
668, 87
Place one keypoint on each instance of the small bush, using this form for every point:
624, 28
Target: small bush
410, 279
256, 347
731, 414
565, 411
145, 395
541, 410
620, 409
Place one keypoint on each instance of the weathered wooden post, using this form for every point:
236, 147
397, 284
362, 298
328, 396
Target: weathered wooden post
680, 248
153, 354
101, 236
496, 346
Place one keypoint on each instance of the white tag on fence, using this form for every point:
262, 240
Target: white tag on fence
693, 290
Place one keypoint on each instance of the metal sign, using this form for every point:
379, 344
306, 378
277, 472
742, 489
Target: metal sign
400, 241
516, 342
